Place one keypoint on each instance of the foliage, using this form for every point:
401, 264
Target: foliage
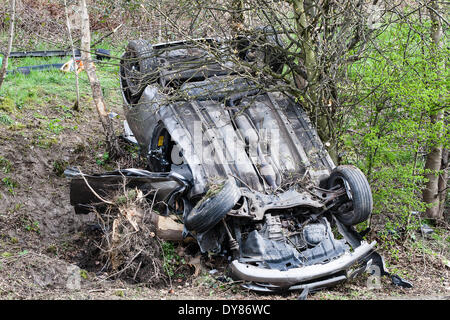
102, 158
10, 184
5, 165
172, 260
32, 226
390, 131
5, 119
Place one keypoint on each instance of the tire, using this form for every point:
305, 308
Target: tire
102, 54
268, 44
357, 186
208, 212
272, 55
139, 67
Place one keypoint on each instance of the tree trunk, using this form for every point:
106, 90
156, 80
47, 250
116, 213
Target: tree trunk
167, 228
307, 53
111, 139
12, 18
431, 194
76, 106
308, 56
432, 166
442, 183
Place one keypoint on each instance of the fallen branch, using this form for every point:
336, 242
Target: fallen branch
167, 228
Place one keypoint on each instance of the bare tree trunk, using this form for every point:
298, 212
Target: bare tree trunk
307, 53
167, 228
310, 62
443, 179
12, 18
433, 161
69, 31
432, 166
111, 139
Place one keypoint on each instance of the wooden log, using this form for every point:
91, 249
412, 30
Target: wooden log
167, 228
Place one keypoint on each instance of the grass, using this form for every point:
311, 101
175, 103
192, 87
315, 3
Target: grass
10, 184
5, 119
5, 165
41, 89
40, 105
52, 87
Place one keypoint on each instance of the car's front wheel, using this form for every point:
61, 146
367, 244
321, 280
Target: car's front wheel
358, 201
213, 207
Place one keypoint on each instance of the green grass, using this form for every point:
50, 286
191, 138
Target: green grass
39, 106
10, 184
41, 89
5, 165
5, 119
50, 87
41, 103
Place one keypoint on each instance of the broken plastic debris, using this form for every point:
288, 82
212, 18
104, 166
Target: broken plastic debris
304, 294
396, 280
426, 229
113, 115
69, 66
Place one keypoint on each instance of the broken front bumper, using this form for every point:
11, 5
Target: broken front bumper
295, 276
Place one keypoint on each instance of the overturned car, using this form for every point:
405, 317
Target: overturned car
241, 165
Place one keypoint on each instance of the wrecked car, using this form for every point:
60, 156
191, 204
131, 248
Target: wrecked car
241, 165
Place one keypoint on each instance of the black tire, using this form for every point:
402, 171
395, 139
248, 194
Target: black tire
267, 41
102, 54
208, 212
139, 66
273, 56
356, 184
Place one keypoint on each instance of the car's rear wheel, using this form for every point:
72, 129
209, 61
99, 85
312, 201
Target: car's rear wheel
211, 209
263, 44
358, 202
138, 66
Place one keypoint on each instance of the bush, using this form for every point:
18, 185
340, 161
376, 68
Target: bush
390, 131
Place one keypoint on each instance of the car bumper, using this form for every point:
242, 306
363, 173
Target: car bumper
295, 276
